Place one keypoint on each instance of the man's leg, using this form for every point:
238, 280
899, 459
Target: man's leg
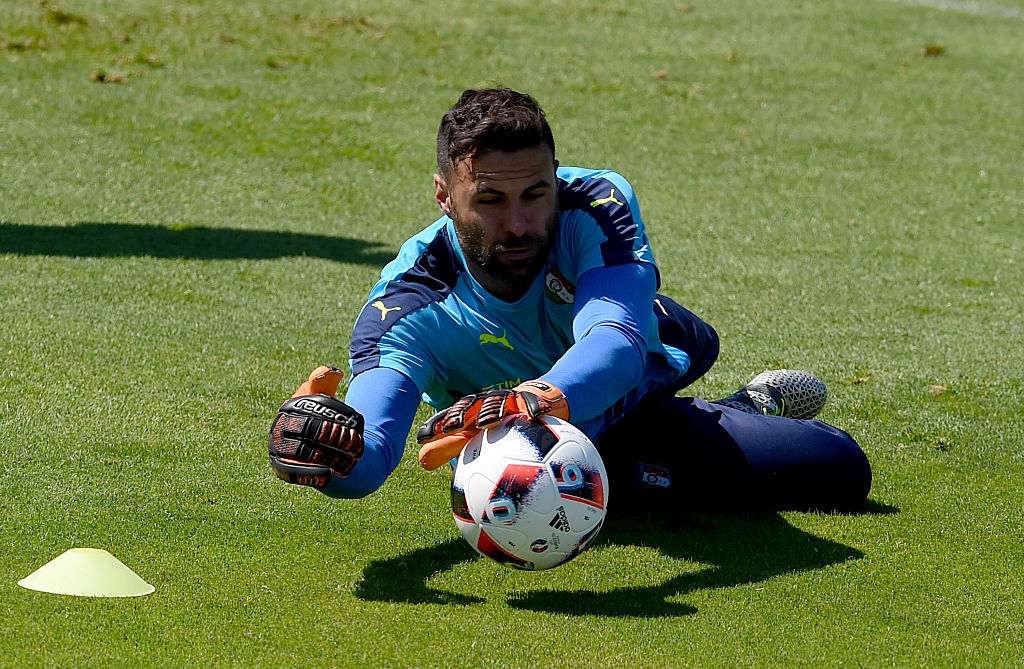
681, 329
681, 453
686, 338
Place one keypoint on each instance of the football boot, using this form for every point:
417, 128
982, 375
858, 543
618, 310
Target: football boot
791, 393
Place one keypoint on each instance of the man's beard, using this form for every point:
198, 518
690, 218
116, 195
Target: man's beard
517, 276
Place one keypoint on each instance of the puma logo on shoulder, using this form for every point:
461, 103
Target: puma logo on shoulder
384, 309
606, 200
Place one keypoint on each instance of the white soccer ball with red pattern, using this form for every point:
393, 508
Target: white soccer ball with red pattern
530, 494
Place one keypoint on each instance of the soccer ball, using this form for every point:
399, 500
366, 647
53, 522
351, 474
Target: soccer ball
530, 494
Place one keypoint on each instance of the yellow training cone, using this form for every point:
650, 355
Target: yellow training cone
86, 572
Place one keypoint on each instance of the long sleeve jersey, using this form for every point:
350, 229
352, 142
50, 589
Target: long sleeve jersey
429, 331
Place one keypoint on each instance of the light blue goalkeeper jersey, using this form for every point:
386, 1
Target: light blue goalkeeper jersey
429, 319
587, 325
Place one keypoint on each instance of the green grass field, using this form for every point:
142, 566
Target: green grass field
195, 199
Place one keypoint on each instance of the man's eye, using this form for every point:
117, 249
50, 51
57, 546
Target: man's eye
489, 200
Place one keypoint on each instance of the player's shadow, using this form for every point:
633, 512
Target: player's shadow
730, 549
93, 239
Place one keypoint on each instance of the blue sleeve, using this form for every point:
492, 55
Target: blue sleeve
387, 400
613, 313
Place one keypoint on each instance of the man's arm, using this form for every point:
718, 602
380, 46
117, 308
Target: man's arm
610, 325
613, 312
387, 401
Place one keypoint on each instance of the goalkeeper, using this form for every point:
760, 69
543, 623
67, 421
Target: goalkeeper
535, 293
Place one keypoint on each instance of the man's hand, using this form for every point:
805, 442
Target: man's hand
314, 435
447, 432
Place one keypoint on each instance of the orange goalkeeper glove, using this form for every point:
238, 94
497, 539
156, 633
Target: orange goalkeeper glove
315, 436
447, 432
323, 379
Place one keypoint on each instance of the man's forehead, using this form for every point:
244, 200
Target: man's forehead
496, 167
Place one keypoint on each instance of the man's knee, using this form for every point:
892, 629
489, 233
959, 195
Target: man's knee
825, 470
682, 329
846, 475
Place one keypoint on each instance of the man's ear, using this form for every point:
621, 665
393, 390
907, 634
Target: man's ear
441, 194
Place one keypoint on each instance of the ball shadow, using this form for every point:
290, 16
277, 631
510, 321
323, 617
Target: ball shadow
404, 578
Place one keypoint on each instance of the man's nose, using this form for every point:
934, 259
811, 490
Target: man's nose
518, 221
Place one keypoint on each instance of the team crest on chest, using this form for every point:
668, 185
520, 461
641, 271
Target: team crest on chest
558, 288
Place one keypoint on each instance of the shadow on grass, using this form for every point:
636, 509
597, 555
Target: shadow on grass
105, 240
735, 549
873, 508
403, 578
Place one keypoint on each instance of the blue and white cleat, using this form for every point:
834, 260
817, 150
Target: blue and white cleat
791, 393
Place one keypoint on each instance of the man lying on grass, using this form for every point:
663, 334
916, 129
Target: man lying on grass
535, 293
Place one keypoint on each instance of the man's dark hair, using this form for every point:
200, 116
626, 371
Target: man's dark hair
490, 119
